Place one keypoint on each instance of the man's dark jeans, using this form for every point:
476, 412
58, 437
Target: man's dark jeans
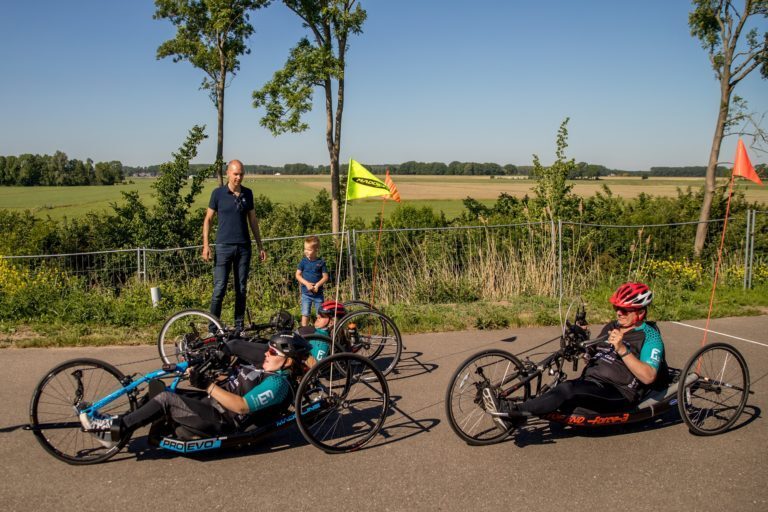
230, 257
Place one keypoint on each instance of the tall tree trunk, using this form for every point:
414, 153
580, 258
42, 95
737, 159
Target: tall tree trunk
714, 154
333, 153
220, 133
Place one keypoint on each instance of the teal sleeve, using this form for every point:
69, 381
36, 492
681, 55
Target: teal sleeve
319, 349
273, 390
653, 348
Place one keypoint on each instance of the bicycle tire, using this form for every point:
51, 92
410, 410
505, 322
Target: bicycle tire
353, 404
53, 412
180, 330
713, 403
464, 402
375, 336
357, 305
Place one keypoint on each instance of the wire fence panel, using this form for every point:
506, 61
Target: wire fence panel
445, 265
441, 265
603, 254
102, 268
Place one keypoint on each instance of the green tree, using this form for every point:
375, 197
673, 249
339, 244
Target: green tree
720, 25
321, 63
211, 35
552, 191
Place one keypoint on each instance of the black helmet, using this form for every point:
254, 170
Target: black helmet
283, 321
291, 345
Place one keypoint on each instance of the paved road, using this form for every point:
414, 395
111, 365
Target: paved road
418, 463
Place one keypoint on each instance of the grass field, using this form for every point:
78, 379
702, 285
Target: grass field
440, 192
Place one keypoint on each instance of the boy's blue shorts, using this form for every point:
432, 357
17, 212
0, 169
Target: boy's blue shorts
308, 300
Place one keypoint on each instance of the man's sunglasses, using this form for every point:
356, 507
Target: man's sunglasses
624, 311
274, 352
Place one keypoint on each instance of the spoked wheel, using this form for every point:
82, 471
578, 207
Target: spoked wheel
714, 401
371, 334
342, 411
495, 369
183, 331
53, 412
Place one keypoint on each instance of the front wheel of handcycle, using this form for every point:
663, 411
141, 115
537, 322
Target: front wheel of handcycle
184, 330
53, 412
497, 370
340, 411
371, 334
713, 402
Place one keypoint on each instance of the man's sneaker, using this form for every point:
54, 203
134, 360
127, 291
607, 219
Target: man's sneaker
491, 407
103, 428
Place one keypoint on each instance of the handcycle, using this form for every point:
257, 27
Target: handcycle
710, 391
336, 411
363, 331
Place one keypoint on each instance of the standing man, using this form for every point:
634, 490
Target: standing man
234, 205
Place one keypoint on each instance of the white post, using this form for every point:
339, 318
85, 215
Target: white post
155, 294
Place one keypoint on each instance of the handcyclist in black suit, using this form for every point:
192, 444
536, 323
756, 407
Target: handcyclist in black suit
616, 375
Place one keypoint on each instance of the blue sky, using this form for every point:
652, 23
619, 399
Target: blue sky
428, 80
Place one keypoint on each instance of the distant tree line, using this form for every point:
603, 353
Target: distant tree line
57, 170
698, 171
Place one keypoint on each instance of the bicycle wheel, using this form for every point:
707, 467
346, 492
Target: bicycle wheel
53, 412
495, 369
371, 334
184, 330
713, 402
342, 411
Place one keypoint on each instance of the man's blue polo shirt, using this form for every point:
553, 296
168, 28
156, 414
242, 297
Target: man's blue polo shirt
233, 214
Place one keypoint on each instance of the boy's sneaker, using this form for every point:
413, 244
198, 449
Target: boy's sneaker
103, 428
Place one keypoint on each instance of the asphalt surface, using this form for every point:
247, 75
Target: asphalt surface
416, 462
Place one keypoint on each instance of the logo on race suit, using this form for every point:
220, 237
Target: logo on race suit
320, 355
656, 355
370, 183
265, 397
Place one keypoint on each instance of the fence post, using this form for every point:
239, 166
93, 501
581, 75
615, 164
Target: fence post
144, 266
746, 249
352, 250
751, 247
138, 264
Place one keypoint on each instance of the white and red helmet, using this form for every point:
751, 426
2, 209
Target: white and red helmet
632, 296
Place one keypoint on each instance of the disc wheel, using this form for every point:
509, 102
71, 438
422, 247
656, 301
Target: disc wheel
342, 411
495, 369
715, 400
371, 334
53, 411
185, 330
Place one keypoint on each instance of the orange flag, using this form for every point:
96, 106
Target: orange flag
742, 166
394, 194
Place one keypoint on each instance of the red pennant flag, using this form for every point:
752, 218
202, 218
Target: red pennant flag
394, 194
742, 166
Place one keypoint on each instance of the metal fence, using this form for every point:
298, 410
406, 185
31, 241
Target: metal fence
452, 264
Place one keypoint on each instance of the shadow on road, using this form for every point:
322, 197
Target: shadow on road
411, 366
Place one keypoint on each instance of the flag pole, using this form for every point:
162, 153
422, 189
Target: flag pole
341, 252
719, 260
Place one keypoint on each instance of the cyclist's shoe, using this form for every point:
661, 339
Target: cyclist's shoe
492, 407
505, 414
106, 429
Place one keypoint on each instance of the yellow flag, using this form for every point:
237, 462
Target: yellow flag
361, 183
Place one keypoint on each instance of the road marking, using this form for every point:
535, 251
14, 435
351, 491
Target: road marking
722, 334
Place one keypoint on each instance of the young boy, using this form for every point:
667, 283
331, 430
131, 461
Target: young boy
312, 274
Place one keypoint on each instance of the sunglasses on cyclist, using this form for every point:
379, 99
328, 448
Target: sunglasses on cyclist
624, 311
274, 352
